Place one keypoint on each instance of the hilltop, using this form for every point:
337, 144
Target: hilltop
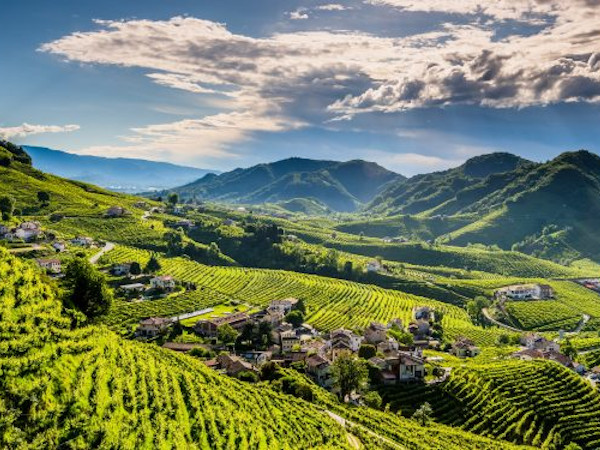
341, 186
118, 174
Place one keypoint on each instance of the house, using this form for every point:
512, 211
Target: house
320, 369
378, 362
283, 306
390, 345
410, 366
122, 269
274, 317
210, 327
229, 222
375, 333
420, 329
351, 340
525, 292
116, 211
465, 348
423, 313
164, 282
59, 246
534, 341
373, 266
288, 339
82, 241
28, 231
4, 230
233, 365
257, 358
50, 265
528, 354
153, 327
134, 287
184, 223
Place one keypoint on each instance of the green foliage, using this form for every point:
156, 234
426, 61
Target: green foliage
367, 351
349, 373
173, 198
153, 265
296, 318
86, 289
372, 399
7, 207
226, 334
475, 308
423, 414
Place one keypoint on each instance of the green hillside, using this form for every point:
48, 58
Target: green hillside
341, 186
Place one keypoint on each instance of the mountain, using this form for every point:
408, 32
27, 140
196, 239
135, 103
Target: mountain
118, 174
341, 186
549, 210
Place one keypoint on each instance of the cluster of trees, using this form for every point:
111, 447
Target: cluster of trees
7, 207
86, 289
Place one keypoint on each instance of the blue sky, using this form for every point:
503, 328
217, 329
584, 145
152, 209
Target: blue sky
415, 86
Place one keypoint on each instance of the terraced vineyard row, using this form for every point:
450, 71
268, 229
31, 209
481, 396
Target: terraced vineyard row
332, 303
535, 403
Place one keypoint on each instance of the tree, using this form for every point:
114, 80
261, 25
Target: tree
214, 250
226, 334
372, 399
153, 265
295, 317
349, 373
475, 308
135, 268
300, 306
7, 207
247, 376
367, 351
270, 371
87, 289
423, 414
43, 197
173, 198
568, 349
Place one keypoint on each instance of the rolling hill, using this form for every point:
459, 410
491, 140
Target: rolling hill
118, 174
549, 210
341, 186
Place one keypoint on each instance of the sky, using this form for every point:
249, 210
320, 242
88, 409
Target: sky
415, 85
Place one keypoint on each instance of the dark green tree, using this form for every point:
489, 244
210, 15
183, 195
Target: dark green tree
153, 265
227, 334
7, 207
86, 288
43, 197
423, 414
295, 317
135, 268
349, 373
173, 198
367, 351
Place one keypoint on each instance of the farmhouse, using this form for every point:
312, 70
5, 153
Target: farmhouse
288, 339
28, 231
282, 306
165, 282
153, 327
82, 241
534, 341
50, 265
116, 211
184, 223
465, 348
233, 365
375, 333
121, 269
320, 369
210, 327
525, 292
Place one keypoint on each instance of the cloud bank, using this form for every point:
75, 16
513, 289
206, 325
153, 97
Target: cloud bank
26, 129
310, 78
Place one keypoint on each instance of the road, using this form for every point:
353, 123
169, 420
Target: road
353, 440
107, 248
488, 316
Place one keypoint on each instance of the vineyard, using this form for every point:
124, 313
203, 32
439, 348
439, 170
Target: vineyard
536, 403
332, 303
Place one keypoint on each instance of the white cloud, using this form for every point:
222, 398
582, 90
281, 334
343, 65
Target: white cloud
299, 14
333, 7
309, 78
27, 129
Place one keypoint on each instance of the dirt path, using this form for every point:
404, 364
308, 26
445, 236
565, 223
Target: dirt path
26, 249
488, 316
107, 248
353, 440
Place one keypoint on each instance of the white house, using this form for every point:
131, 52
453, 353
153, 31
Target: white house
30, 225
525, 292
27, 233
133, 287
50, 265
82, 241
165, 282
121, 269
288, 339
282, 306
345, 337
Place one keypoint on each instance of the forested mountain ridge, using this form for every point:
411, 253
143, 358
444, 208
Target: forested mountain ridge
341, 186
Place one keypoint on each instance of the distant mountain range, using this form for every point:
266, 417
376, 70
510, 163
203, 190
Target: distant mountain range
550, 210
340, 186
118, 174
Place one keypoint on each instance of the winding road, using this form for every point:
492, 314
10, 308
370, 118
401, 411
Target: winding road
107, 248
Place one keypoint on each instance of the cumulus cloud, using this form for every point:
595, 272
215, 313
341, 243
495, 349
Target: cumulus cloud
299, 14
289, 80
27, 129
